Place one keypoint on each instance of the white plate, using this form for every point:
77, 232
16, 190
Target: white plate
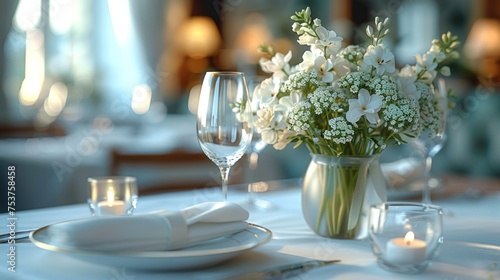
197, 256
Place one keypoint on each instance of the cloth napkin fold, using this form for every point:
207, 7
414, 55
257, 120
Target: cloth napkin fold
163, 230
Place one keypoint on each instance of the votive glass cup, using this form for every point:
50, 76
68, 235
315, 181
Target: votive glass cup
405, 236
112, 196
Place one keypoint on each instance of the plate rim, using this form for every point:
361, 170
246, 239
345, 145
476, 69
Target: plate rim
263, 236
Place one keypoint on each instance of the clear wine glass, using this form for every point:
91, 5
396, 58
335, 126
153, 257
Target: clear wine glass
429, 143
257, 146
224, 132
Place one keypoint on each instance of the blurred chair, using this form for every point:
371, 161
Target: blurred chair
29, 131
175, 170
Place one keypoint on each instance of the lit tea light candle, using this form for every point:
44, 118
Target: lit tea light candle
407, 250
111, 206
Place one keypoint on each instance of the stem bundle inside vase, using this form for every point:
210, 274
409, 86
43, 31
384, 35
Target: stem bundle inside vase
333, 194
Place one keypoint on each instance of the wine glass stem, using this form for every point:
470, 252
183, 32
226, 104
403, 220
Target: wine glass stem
224, 172
427, 192
252, 162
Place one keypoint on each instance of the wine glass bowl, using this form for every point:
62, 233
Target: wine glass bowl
223, 129
430, 145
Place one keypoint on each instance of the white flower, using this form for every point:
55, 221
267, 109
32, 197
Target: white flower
445, 71
278, 65
340, 67
381, 59
406, 85
326, 37
324, 67
437, 53
306, 39
297, 28
341, 132
270, 124
327, 69
330, 50
283, 139
267, 90
367, 105
309, 58
286, 103
408, 72
426, 61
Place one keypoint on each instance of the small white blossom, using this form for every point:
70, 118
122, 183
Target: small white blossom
379, 58
324, 67
341, 132
408, 72
283, 139
366, 105
270, 125
309, 58
278, 65
326, 37
286, 103
445, 71
406, 85
306, 39
340, 67
266, 91
426, 61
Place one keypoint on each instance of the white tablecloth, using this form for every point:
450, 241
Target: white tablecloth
471, 249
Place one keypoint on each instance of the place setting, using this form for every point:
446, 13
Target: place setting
197, 236
194, 237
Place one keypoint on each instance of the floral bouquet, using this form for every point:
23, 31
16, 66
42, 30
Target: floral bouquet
347, 101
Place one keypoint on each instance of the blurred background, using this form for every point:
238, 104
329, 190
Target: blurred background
82, 80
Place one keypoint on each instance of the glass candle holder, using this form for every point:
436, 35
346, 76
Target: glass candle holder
405, 236
112, 195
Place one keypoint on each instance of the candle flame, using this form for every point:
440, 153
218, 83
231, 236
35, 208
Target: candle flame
409, 237
111, 196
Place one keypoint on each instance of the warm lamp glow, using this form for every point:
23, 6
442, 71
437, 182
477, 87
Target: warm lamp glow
199, 37
483, 40
252, 35
482, 47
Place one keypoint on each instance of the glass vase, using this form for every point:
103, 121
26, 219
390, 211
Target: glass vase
333, 195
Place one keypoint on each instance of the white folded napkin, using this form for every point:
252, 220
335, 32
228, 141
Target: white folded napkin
164, 230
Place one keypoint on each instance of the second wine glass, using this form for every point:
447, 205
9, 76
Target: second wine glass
432, 140
224, 132
257, 146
